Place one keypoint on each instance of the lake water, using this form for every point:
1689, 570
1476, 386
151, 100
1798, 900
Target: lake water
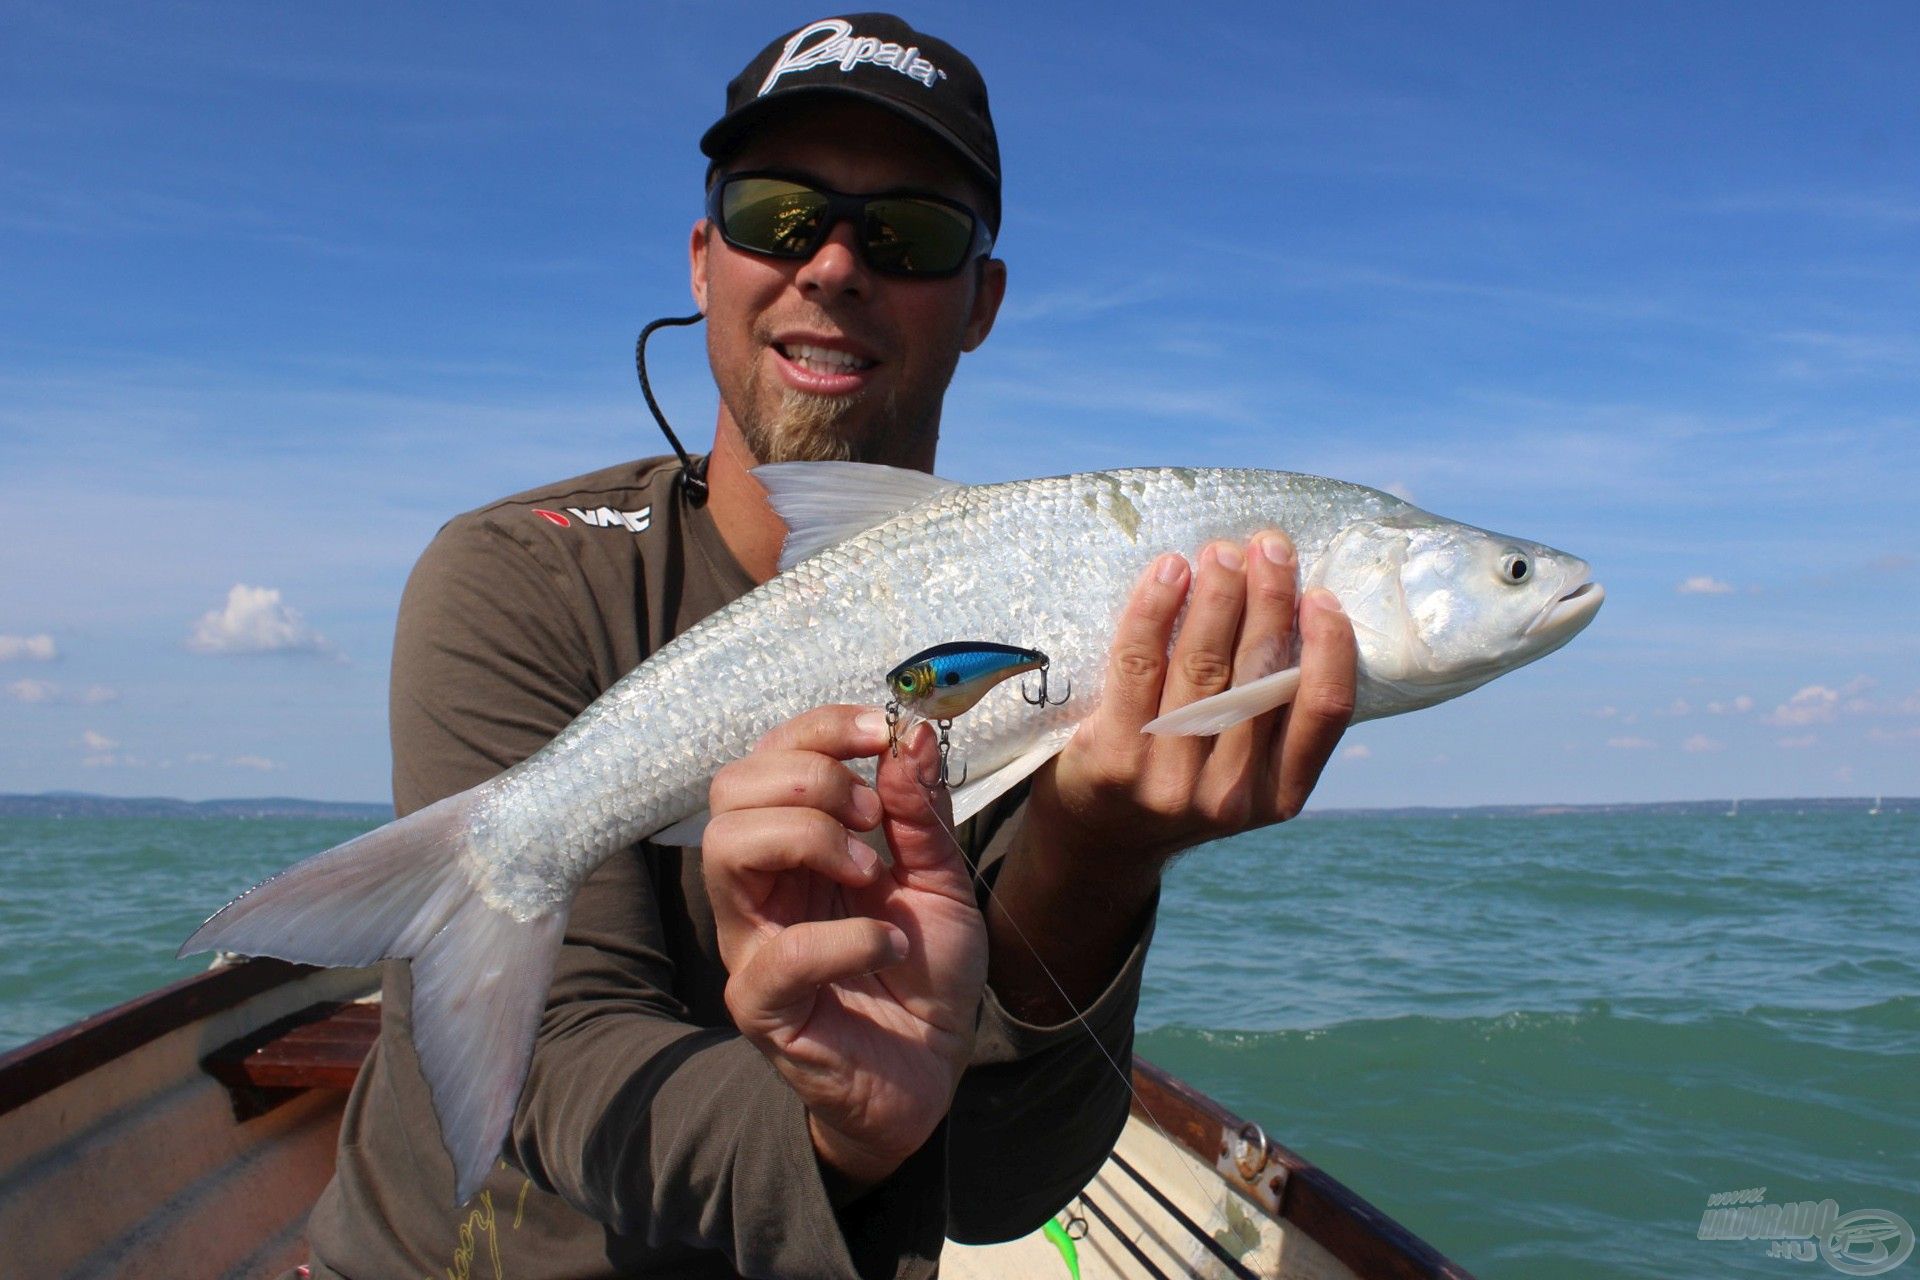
1541, 1043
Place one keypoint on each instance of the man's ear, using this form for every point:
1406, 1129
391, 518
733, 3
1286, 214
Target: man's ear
990, 288
697, 259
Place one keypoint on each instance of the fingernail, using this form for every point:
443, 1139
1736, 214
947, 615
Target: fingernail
896, 943
863, 858
1276, 549
1328, 601
1227, 555
1169, 569
866, 803
871, 723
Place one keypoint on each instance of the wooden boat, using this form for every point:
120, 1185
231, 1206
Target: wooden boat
186, 1134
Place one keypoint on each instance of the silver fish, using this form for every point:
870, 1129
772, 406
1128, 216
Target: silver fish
475, 889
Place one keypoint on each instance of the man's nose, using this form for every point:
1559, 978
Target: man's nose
837, 266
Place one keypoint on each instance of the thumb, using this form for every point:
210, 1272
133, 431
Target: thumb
918, 810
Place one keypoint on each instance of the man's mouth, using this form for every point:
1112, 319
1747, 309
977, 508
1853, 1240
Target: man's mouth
822, 359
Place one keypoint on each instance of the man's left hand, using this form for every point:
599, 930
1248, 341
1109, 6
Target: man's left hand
1117, 804
1141, 797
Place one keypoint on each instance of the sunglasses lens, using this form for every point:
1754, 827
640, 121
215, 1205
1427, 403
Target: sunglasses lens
900, 235
906, 236
768, 215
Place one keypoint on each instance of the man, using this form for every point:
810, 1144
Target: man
776, 1055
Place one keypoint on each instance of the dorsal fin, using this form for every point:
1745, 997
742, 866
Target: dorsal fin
828, 502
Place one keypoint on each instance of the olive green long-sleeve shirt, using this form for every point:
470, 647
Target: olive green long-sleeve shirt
651, 1138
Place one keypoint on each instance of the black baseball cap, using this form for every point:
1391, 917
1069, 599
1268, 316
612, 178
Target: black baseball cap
877, 58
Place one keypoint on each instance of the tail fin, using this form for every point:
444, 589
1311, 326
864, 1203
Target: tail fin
480, 977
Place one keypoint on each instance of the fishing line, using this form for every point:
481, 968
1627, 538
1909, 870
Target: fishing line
979, 878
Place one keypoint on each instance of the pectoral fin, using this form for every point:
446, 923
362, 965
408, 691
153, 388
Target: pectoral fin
684, 834
1224, 710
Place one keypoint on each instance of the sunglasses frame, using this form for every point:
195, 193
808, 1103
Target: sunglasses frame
842, 207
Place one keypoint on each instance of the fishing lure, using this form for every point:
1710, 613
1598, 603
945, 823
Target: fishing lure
943, 683
1063, 1238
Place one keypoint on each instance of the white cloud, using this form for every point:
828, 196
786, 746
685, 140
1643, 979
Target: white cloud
1853, 691
1357, 751
1680, 707
261, 763
94, 740
31, 691
1701, 584
1812, 705
1739, 706
1700, 742
35, 648
1797, 742
1605, 713
1631, 744
47, 691
255, 621
199, 757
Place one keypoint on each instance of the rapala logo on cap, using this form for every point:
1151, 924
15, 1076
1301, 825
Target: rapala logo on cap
837, 43
600, 518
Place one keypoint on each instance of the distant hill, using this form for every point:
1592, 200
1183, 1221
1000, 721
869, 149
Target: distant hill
81, 804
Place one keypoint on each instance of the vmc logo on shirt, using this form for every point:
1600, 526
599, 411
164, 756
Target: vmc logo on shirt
600, 518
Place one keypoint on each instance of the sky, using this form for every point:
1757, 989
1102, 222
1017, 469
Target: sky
288, 286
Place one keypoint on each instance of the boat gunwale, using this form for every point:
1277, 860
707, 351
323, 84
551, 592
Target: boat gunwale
1323, 1208
40, 1066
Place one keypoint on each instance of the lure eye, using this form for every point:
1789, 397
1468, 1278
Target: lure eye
908, 684
1515, 568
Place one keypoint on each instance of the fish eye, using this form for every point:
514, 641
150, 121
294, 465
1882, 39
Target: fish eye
1515, 568
908, 683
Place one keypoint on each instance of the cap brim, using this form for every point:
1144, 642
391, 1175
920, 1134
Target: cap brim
727, 133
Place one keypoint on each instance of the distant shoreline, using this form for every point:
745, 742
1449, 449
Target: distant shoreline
81, 804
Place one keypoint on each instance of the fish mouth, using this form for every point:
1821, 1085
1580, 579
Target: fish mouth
1570, 612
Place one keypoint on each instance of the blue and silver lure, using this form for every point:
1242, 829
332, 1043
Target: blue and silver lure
944, 682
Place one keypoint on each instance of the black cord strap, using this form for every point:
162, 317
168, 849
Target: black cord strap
693, 474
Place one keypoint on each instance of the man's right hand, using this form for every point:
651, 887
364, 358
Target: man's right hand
859, 981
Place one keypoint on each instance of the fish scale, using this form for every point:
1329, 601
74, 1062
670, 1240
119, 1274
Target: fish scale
474, 889
570, 806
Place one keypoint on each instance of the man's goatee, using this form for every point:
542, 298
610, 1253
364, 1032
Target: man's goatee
811, 428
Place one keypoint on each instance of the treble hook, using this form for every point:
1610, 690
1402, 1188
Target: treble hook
943, 774
1040, 698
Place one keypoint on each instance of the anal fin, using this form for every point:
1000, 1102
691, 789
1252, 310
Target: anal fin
976, 794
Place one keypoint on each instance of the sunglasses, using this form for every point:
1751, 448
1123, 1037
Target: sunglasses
900, 233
